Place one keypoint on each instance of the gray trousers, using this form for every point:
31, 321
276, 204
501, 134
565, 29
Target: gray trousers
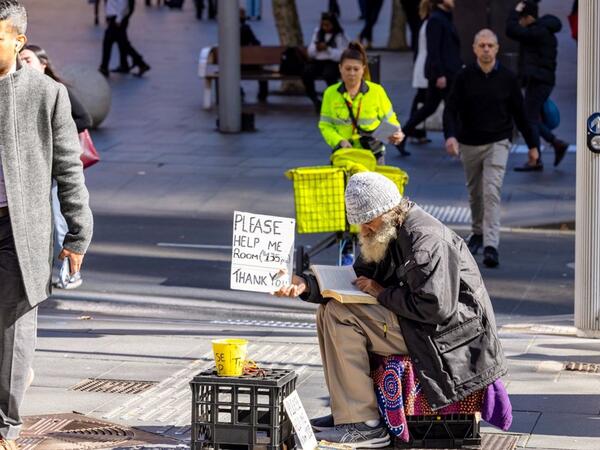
18, 323
484, 170
347, 334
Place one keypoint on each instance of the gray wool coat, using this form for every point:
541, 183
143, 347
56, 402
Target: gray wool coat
38, 143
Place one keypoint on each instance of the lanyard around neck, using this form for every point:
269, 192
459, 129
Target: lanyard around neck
352, 117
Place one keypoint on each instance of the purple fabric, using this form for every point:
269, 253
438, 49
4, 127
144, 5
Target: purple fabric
497, 409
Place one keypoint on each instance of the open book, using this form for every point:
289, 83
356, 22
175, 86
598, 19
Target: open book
336, 282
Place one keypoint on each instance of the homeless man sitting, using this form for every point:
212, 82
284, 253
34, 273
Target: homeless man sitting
433, 306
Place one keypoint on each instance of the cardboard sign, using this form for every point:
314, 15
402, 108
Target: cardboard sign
297, 414
262, 252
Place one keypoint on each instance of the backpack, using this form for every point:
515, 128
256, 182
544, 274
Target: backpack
293, 60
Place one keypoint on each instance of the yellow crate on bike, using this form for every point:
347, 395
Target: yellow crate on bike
319, 198
397, 175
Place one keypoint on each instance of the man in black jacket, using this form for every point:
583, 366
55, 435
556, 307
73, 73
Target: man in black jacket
478, 121
433, 305
537, 67
442, 64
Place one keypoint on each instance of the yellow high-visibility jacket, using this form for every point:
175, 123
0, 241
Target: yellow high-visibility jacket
335, 122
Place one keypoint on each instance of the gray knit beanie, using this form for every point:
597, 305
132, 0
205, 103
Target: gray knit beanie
369, 195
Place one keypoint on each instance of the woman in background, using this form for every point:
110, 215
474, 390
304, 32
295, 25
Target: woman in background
37, 58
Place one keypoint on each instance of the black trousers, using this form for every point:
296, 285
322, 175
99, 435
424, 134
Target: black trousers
411, 9
433, 97
419, 99
372, 9
314, 69
536, 94
212, 8
117, 33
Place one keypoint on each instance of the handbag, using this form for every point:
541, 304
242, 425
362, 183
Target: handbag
292, 62
89, 154
550, 114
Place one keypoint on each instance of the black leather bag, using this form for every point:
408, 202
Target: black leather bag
292, 62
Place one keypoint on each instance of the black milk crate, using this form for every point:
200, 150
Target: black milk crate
242, 411
447, 431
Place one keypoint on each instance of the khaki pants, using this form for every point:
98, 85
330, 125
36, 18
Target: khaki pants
347, 334
484, 170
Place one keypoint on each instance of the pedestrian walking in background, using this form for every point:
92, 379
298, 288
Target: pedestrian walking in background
413, 17
430, 296
39, 143
117, 20
362, 7
37, 58
419, 80
483, 104
324, 52
353, 108
537, 72
126, 50
333, 8
212, 9
441, 65
96, 10
372, 8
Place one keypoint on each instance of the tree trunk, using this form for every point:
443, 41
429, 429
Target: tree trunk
287, 22
290, 34
397, 39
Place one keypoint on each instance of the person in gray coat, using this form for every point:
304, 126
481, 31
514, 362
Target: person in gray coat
432, 305
38, 143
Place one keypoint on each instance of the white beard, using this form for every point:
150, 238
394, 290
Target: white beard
373, 246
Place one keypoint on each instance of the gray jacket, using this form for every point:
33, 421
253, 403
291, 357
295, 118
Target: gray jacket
434, 286
39, 142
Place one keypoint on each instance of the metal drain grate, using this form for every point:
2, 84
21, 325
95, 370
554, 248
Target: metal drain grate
113, 386
498, 441
77, 432
582, 367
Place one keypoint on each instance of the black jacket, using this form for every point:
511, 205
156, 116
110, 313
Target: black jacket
482, 107
434, 286
443, 46
538, 47
80, 115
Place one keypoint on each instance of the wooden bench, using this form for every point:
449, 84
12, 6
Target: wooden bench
258, 63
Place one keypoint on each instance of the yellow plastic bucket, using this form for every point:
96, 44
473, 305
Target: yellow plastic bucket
230, 355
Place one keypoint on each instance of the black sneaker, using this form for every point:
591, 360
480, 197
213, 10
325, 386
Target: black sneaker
490, 257
560, 150
322, 423
402, 147
474, 243
357, 435
537, 167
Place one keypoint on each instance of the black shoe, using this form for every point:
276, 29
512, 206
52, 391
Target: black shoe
120, 69
402, 148
474, 243
143, 68
537, 167
490, 257
103, 71
560, 150
322, 423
